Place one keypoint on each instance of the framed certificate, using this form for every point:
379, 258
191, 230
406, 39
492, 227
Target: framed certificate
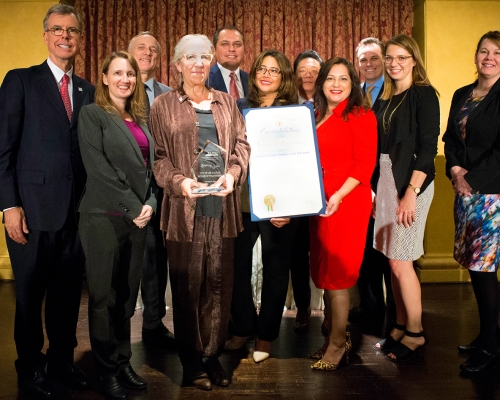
285, 173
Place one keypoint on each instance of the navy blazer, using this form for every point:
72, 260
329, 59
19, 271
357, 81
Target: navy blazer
479, 153
41, 168
118, 179
216, 80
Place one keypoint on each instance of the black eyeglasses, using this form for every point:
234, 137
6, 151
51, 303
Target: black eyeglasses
59, 31
274, 72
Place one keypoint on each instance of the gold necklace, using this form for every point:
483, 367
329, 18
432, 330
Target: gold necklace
387, 125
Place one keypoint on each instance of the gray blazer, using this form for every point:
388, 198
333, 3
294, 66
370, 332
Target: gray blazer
160, 88
117, 179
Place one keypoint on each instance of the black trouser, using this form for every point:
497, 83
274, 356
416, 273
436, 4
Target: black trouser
374, 271
114, 247
49, 265
276, 251
154, 271
299, 264
487, 292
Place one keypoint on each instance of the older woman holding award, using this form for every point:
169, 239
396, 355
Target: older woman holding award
199, 136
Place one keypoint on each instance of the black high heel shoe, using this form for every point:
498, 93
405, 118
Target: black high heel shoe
404, 353
389, 343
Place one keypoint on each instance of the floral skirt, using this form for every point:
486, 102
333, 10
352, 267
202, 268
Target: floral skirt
477, 231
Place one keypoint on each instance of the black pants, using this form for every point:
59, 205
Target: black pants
276, 251
50, 265
154, 272
299, 264
114, 247
374, 271
201, 277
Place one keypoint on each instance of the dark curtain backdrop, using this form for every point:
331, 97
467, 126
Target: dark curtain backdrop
332, 27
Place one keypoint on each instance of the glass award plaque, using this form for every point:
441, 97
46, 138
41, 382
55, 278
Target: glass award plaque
211, 161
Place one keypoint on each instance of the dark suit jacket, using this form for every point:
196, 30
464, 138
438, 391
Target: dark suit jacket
118, 181
376, 104
479, 153
160, 88
376, 171
41, 168
216, 80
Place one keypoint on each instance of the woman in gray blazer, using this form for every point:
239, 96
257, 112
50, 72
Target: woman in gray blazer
117, 152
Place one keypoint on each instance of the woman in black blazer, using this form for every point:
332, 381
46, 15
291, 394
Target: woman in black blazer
117, 151
472, 149
408, 126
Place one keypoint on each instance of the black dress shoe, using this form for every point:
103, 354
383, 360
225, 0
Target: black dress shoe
480, 360
130, 379
465, 350
216, 373
158, 336
69, 375
35, 385
302, 320
112, 388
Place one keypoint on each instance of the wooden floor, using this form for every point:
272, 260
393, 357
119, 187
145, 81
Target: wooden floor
450, 318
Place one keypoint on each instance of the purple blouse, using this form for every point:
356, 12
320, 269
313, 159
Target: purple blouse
141, 139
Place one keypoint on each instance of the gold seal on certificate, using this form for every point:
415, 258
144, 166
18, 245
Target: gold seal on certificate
269, 201
285, 174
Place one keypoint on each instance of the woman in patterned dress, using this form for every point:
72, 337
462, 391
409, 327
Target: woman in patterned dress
472, 149
408, 126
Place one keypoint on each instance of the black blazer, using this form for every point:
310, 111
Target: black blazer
414, 135
479, 153
118, 180
216, 80
41, 168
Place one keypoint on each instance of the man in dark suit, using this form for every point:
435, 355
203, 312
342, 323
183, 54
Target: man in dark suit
226, 75
375, 270
42, 179
145, 49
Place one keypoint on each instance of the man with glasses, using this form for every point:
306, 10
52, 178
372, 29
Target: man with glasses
226, 75
42, 179
375, 270
145, 49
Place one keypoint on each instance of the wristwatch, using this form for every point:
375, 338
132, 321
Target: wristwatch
415, 189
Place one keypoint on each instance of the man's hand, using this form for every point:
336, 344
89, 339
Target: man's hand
15, 224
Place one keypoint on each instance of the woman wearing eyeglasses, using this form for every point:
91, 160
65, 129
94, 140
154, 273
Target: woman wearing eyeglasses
200, 227
270, 83
408, 127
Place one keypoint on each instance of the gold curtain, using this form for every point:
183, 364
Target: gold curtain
331, 27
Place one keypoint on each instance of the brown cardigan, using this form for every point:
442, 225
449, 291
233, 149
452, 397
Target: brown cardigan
173, 125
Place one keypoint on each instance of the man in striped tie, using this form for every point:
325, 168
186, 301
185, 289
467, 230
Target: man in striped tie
375, 270
226, 75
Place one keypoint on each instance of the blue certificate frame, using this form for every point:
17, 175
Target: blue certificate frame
285, 178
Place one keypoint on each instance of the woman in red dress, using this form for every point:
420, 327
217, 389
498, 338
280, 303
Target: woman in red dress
347, 139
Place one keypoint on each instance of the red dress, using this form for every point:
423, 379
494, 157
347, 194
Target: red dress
347, 149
